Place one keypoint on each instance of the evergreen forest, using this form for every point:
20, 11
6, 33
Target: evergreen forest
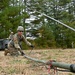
29, 14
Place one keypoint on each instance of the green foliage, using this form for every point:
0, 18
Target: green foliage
24, 46
47, 38
63, 2
14, 13
26, 15
11, 17
4, 3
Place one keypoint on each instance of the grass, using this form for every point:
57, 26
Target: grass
21, 66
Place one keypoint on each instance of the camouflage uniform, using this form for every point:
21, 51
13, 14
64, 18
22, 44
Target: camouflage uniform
14, 45
10, 36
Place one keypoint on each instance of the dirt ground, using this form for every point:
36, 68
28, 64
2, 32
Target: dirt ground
12, 65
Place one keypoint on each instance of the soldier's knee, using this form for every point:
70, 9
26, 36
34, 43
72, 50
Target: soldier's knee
6, 51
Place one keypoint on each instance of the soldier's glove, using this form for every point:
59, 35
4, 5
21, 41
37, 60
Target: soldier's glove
32, 46
22, 53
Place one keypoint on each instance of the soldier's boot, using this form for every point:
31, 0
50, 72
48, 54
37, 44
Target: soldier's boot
6, 51
11, 52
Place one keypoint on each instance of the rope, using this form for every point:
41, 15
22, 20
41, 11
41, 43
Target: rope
30, 51
50, 66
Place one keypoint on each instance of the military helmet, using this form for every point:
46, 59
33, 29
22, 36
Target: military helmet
20, 28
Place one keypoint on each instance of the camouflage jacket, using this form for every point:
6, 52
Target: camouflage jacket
10, 37
16, 41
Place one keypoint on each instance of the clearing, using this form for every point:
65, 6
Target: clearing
11, 65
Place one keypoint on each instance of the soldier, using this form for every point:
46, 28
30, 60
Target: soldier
14, 45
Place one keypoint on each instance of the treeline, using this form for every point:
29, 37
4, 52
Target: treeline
48, 33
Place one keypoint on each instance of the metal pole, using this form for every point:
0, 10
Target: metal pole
59, 22
70, 67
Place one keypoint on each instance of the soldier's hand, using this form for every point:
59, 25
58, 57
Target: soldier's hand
22, 53
32, 46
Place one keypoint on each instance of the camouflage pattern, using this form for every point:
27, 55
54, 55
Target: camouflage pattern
14, 45
10, 36
11, 52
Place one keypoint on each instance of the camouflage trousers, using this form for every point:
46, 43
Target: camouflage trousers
12, 51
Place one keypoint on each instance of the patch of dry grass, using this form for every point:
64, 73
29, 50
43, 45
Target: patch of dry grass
21, 66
